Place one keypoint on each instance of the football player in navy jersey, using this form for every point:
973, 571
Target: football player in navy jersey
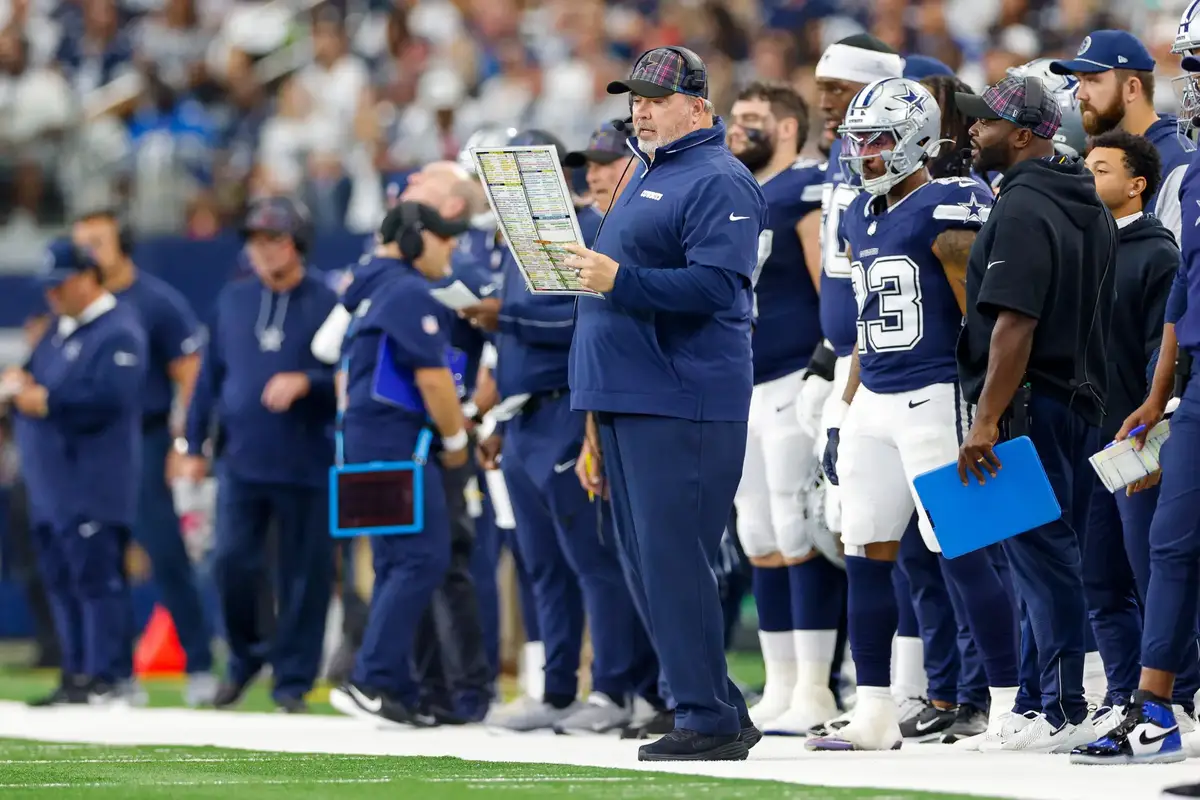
845, 68
908, 238
799, 592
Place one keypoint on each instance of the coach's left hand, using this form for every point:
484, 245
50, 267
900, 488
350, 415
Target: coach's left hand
596, 271
976, 454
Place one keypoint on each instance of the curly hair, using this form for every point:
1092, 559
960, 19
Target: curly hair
955, 126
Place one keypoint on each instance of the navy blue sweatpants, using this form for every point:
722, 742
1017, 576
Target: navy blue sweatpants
303, 577
408, 568
83, 570
1047, 563
484, 559
672, 483
569, 550
1173, 597
158, 532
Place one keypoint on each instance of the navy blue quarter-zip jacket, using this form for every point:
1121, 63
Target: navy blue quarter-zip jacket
533, 342
672, 338
87, 450
255, 335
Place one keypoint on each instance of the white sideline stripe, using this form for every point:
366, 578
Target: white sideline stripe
264, 782
1026, 776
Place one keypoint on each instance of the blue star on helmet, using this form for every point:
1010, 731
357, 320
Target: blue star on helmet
974, 209
912, 99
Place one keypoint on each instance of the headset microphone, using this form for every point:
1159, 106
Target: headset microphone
623, 125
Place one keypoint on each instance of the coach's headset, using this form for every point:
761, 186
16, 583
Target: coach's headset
407, 233
1030, 116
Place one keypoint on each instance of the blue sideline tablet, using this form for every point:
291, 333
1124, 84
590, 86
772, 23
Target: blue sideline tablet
379, 498
967, 518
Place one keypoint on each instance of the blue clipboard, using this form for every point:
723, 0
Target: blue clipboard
379, 498
968, 518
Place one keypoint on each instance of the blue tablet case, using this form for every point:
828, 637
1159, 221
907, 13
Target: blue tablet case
382, 498
967, 518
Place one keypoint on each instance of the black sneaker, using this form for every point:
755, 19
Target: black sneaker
750, 733
685, 745
662, 724
229, 694
69, 693
971, 721
366, 703
291, 705
1186, 790
103, 693
929, 724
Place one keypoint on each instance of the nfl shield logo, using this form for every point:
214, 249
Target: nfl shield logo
429, 324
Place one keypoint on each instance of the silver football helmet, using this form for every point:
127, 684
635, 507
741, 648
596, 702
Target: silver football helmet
1187, 86
897, 120
490, 135
1071, 140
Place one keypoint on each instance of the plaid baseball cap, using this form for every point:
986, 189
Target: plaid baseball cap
606, 146
660, 72
1006, 100
1102, 51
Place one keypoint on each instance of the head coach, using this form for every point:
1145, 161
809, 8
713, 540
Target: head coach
1031, 358
662, 360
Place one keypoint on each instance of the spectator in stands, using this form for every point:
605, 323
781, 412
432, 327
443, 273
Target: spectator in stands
35, 109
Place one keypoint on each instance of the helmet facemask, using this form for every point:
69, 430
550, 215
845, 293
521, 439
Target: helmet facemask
896, 145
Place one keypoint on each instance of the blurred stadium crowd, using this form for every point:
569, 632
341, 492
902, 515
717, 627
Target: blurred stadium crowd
183, 110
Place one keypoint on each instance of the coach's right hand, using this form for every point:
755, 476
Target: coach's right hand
488, 451
589, 468
829, 460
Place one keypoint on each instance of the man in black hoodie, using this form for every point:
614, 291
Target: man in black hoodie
1116, 558
1031, 357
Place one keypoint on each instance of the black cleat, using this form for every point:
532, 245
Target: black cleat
685, 745
1186, 790
929, 724
366, 703
69, 693
971, 721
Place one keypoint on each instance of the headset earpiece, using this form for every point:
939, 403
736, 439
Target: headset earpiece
410, 241
1030, 114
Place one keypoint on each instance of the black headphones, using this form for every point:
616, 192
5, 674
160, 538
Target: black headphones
694, 76
1030, 115
409, 235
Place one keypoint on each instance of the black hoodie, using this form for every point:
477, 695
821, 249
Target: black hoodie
1047, 251
1147, 259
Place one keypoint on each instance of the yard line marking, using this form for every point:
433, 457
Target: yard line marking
264, 782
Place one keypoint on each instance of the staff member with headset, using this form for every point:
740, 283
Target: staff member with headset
273, 404
402, 332
174, 337
1032, 359
83, 391
662, 362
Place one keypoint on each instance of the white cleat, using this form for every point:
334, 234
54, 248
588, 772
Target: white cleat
777, 694
1105, 719
873, 728
1039, 736
1001, 727
810, 706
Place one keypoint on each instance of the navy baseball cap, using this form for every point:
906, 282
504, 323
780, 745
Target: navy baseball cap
663, 71
1105, 50
917, 67
63, 260
1006, 100
606, 146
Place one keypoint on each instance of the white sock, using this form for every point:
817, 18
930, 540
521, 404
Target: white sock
814, 656
533, 669
1003, 700
908, 668
779, 661
1095, 681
